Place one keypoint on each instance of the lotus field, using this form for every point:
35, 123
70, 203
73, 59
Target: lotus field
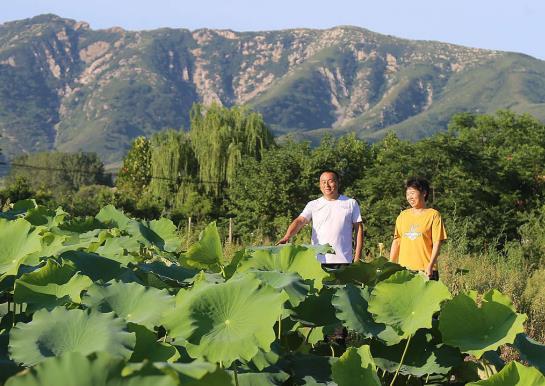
113, 300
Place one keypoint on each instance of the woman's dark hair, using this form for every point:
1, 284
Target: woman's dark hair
420, 184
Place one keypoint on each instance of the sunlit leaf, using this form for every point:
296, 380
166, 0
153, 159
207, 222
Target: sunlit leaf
407, 302
355, 367
475, 330
206, 252
130, 301
53, 333
289, 258
73, 368
514, 374
51, 285
17, 241
227, 321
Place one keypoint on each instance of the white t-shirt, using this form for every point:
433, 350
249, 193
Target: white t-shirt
332, 223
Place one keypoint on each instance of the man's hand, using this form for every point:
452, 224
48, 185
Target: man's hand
283, 240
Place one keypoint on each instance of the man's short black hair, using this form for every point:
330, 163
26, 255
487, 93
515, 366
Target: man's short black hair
420, 184
337, 177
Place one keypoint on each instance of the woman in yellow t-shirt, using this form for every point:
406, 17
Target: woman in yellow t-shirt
419, 231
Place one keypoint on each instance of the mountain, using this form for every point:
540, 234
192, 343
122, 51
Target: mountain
65, 86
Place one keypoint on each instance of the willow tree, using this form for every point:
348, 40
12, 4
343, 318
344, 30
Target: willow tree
221, 137
173, 168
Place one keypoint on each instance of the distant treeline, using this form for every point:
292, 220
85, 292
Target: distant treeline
487, 172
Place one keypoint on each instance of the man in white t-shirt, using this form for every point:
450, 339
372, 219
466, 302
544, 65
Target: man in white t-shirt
334, 219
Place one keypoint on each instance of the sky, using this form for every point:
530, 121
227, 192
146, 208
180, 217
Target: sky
517, 26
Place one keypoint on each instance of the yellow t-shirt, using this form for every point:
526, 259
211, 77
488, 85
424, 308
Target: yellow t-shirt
417, 233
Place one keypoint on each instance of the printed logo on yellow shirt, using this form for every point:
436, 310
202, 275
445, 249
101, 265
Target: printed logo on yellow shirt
412, 234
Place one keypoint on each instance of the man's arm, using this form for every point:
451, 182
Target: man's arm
394, 250
433, 258
358, 227
293, 228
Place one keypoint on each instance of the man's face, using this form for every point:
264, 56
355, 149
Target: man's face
329, 185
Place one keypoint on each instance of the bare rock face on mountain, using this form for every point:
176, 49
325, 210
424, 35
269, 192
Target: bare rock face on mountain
65, 86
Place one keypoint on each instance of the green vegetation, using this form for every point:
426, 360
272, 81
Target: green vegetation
120, 301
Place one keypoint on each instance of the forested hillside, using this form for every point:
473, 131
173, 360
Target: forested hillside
67, 87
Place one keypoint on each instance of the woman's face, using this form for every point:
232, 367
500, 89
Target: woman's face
415, 198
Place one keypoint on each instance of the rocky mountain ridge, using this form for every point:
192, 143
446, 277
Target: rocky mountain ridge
65, 86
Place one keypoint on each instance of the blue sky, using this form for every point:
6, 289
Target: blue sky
494, 24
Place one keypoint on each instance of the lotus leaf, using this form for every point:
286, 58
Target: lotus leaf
289, 258
207, 252
18, 240
227, 321
355, 367
173, 273
53, 333
196, 373
407, 302
310, 369
148, 347
351, 303
317, 310
531, 351
130, 301
95, 266
514, 374
475, 330
116, 249
423, 356
290, 282
111, 216
51, 285
263, 378
73, 368
52, 246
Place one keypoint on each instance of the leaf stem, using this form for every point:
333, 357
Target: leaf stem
236, 376
401, 361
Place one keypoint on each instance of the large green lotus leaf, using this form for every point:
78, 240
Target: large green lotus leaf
423, 356
355, 367
53, 333
130, 301
368, 273
169, 239
95, 266
49, 286
112, 216
52, 246
475, 330
206, 252
196, 373
7, 366
351, 305
19, 209
74, 369
317, 310
531, 351
290, 282
147, 346
17, 241
289, 258
407, 302
116, 248
261, 379
227, 321
46, 217
172, 273
514, 374
307, 369
264, 359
